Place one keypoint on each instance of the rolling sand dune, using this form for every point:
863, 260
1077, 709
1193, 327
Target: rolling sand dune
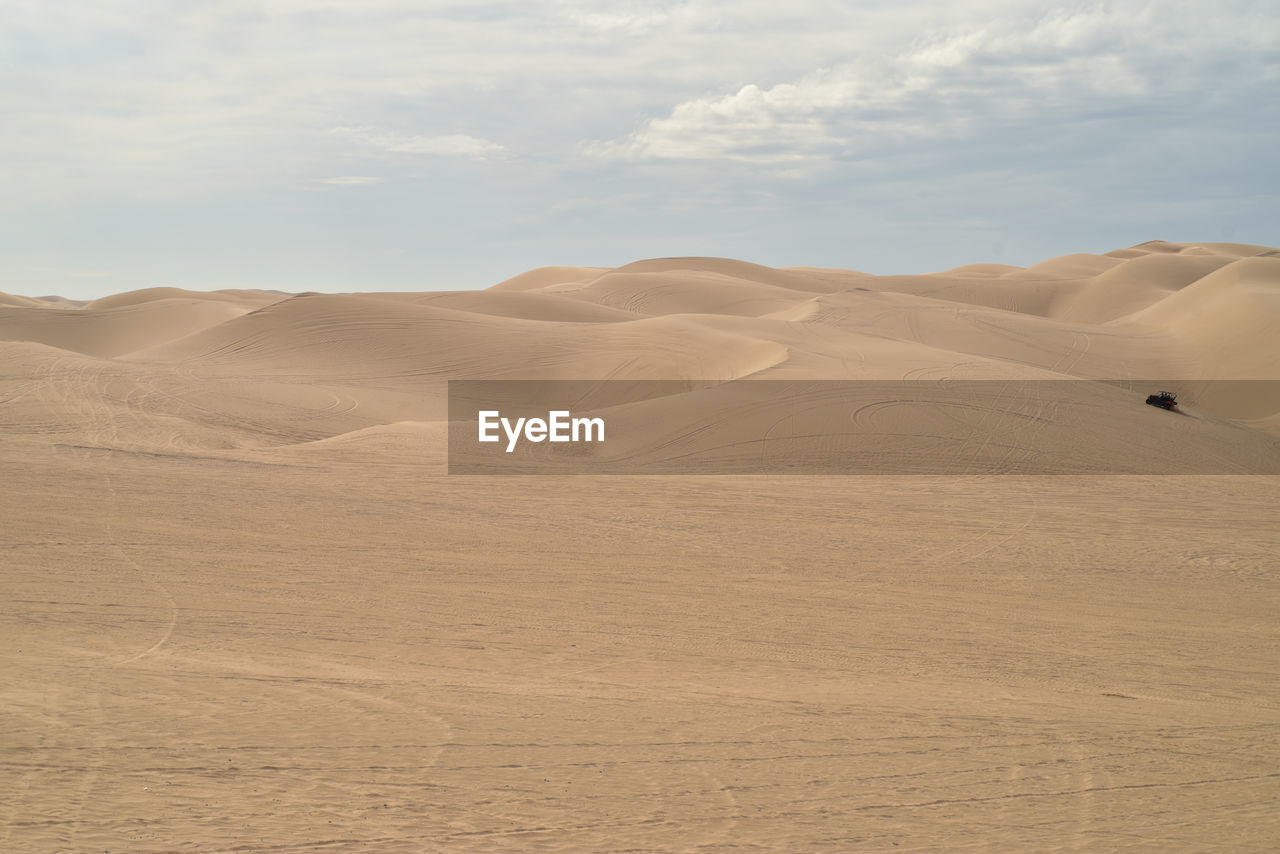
117, 330
14, 300
544, 276
1076, 266
1229, 318
380, 341
657, 293
540, 306
247, 608
727, 268
1136, 284
239, 298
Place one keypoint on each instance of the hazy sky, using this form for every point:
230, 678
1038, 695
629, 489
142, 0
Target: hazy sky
413, 144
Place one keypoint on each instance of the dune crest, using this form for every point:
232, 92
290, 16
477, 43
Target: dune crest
1229, 318
258, 369
541, 277
239, 298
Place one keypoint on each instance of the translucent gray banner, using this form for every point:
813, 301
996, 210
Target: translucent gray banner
837, 427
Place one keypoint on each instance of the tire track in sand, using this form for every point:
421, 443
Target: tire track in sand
128, 559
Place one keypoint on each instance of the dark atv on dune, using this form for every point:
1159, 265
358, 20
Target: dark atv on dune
1164, 400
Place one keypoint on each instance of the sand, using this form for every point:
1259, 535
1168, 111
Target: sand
248, 609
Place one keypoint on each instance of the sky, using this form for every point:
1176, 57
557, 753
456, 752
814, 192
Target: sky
421, 145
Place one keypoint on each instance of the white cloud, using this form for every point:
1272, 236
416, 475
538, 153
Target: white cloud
1014, 71
145, 107
778, 125
350, 180
630, 18
454, 145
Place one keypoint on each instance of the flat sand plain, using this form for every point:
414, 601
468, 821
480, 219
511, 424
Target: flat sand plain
247, 609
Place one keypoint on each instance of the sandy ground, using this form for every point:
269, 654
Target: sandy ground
246, 609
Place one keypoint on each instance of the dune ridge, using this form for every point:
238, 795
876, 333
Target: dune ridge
258, 369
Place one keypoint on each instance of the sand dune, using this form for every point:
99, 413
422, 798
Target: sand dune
1228, 320
545, 276
1078, 287
1136, 284
239, 298
529, 306
116, 330
313, 366
369, 338
1078, 265
656, 293
247, 607
792, 279
23, 302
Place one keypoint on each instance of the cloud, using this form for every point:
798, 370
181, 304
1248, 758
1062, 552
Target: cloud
455, 145
350, 180
949, 84
778, 125
1029, 115
629, 18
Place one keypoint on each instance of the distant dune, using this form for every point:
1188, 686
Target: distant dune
257, 369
